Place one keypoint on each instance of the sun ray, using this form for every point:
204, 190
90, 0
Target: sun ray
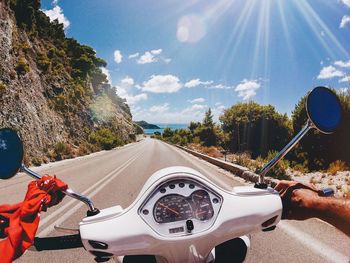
236, 37
283, 19
317, 25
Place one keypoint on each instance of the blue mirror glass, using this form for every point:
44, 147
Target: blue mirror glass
323, 109
11, 153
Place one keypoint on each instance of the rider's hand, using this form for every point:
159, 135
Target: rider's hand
300, 201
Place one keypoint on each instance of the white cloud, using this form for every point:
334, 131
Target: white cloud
345, 79
344, 21
156, 51
322, 33
146, 58
106, 72
135, 55
130, 99
167, 60
133, 99
197, 100
163, 114
198, 107
330, 72
196, 82
149, 56
127, 82
118, 56
159, 108
220, 86
124, 88
247, 88
343, 64
346, 2
162, 84
54, 2
57, 13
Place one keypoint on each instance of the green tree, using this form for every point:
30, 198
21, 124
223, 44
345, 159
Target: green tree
317, 150
104, 138
208, 119
193, 126
167, 133
255, 128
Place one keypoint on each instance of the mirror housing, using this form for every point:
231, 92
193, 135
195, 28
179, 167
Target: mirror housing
324, 113
323, 109
11, 153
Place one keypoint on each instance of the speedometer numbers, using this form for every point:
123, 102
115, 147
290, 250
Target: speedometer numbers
181, 207
172, 208
203, 208
175, 207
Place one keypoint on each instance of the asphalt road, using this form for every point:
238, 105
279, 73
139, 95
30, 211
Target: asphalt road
115, 177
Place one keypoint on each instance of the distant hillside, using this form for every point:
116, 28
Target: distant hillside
146, 125
52, 89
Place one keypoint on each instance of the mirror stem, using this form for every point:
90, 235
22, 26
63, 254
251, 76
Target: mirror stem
261, 184
92, 209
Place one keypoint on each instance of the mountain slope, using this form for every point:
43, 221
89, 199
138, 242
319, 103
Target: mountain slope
52, 89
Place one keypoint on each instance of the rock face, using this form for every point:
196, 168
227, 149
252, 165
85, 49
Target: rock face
38, 103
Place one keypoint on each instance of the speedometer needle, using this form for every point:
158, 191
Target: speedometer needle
170, 209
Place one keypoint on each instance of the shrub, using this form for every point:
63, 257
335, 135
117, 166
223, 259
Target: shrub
43, 62
22, 66
2, 88
86, 148
62, 151
337, 166
105, 139
243, 159
36, 161
211, 151
279, 171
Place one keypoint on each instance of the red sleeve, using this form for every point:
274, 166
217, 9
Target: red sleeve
19, 222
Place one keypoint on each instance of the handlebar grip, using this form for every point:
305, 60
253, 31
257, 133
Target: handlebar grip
55, 243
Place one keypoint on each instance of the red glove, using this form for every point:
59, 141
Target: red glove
23, 218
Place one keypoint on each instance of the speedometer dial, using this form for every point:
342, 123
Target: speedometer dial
203, 208
172, 208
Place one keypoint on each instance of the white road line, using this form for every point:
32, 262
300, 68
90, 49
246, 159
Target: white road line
313, 244
98, 186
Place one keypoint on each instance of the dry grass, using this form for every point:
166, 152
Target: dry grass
337, 166
211, 151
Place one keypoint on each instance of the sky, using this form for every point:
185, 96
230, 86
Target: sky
173, 59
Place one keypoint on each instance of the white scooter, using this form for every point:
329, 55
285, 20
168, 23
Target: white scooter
179, 215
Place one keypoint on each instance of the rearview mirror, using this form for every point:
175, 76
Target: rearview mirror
11, 153
323, 109
324, 114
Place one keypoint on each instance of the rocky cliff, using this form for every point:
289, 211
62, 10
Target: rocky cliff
52, 90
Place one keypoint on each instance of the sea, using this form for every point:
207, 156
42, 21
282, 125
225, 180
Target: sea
162, 126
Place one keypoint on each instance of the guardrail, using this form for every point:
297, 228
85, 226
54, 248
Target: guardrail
236, 169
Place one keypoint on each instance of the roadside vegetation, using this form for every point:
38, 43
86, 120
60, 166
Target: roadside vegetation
75, 86
250, 134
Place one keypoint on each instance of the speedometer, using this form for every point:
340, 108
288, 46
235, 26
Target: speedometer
171, 208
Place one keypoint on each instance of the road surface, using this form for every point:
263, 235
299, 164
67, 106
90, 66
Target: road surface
116, 177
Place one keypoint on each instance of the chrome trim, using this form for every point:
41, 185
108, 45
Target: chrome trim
309, 125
